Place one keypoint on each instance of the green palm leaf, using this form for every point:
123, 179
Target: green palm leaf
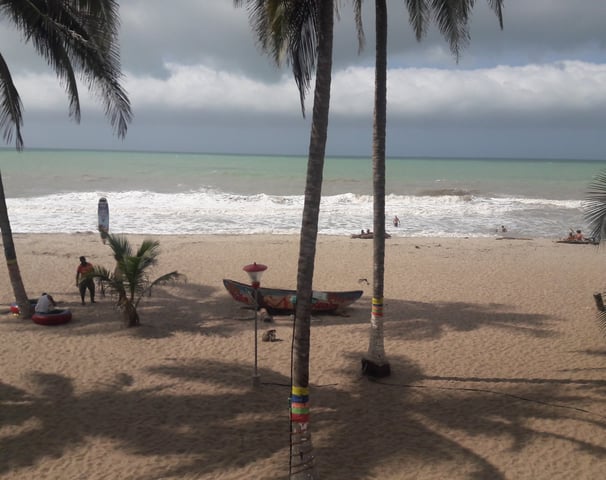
11, 108
72, 35
287, 29
130, 281
595, 207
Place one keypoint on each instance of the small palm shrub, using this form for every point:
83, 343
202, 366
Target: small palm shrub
130, 280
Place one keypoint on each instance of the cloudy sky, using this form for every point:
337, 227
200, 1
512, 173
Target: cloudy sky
198, 83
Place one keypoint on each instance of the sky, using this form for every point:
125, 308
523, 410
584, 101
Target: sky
198, 82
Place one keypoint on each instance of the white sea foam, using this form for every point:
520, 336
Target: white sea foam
216, 212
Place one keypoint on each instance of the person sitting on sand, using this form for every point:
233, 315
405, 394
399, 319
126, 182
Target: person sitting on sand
579, 236
45, 304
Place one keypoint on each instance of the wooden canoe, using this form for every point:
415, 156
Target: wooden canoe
579, 242
277, 300
367, 236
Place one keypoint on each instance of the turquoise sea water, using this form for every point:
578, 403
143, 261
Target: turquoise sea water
176, 193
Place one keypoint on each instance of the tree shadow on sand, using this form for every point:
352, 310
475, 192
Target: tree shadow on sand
409, 419
185, 308
411, 320
428, 321
209, 310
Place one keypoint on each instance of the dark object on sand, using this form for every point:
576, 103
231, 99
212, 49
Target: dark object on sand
367, 235
587, 241
599, 301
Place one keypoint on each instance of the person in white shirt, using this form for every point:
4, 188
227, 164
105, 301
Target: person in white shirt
46, 304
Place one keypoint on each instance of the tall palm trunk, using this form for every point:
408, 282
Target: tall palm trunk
301, 462
11, 258
375, 364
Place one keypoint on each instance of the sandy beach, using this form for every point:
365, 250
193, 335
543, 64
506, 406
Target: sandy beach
498, 365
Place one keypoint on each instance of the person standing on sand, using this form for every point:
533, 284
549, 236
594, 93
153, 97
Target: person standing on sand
84, 283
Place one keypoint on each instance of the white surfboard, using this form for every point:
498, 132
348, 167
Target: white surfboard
103, 214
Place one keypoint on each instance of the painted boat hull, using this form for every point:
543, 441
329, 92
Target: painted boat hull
277, 300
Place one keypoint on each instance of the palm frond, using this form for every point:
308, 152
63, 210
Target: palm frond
114, 284
168, 278
302, 44
357, 4
595, 207
287, 30
601, 318
77, 35
99, 272
120, 246
134, 275
11, 109
165, 279
149, 249
419, 17
452, 18
497, 7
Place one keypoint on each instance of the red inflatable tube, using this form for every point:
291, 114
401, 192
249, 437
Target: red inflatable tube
56, 317
15, 308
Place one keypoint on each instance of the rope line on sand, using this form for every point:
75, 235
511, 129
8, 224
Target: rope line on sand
468, 389
494, 392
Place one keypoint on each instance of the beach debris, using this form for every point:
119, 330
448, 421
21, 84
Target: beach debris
362, 281
269, 335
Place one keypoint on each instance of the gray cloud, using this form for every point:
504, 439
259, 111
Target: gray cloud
197, 81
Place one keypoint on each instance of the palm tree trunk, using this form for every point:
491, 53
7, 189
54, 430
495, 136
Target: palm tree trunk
375, 364
129, 312
301, 461
10, 254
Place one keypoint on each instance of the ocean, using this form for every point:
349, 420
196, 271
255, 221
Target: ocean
53, 191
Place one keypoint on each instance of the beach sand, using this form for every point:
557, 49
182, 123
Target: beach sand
498, 365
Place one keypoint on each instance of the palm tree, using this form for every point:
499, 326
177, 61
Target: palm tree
595, 207
595, 214
130, 281
375, 363
452, 17
72, 35
302, 31
302, 459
